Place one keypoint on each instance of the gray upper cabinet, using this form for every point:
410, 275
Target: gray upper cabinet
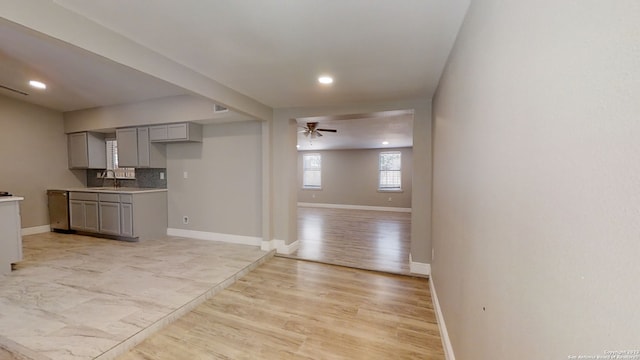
87, 150
144, 153
135, 149
176, 132
127, 147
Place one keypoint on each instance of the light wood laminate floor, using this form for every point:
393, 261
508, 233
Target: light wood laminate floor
291, 309
364, 239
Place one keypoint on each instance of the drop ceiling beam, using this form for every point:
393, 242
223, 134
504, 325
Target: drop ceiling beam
55, 21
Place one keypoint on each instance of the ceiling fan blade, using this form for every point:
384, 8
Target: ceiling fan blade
318, 133
328, 130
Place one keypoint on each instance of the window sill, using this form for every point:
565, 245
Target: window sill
390, 190
311, 188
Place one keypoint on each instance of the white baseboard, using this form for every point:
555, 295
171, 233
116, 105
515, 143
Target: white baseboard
280, 246
444, 334
36, 230
205, 235
419, 268
355, 207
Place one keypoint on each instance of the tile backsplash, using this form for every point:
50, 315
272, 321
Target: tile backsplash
145, 178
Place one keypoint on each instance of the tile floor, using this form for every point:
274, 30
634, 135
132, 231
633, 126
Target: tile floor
79, 297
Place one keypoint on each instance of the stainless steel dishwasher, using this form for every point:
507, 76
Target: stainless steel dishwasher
59, 210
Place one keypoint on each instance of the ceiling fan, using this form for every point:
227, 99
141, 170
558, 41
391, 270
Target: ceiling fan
311, 130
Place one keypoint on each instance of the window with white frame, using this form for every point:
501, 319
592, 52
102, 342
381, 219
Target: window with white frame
112, 163
390, 171
311, 171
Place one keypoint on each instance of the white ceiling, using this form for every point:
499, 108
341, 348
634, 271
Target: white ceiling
76, 79
271, 51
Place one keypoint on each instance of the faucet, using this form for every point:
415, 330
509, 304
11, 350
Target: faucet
105, 175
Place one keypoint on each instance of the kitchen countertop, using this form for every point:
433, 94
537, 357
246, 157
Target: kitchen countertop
119, 190
10, 198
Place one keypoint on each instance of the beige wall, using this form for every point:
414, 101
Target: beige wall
350, 177
223, 190
536, 211
33, 152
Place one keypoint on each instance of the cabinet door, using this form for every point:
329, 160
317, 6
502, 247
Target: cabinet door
76, 214
176, 131
78, 151
110, 218
91, 216
127, 147
158, 132
144, 159
126, 219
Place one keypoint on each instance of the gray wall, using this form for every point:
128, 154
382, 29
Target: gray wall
33, 153
536, 188
223, 190
350, 177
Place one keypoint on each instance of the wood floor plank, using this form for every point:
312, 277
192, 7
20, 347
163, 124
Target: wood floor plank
365, 239
291, 309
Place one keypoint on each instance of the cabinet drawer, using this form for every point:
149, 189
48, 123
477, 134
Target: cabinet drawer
126, 198
83, 196
109, 197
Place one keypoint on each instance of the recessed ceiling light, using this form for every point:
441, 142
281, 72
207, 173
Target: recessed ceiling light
325, 80
38, 84
385, 143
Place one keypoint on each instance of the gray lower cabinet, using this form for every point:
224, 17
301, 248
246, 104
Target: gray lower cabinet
83, 211
116, 214
10, 235
127, 215
126, 219
110, 218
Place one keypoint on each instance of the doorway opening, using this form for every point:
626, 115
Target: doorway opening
354, 190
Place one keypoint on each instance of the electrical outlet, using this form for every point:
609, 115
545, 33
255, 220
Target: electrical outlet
313, 196
185, 175
185, 220
389, 198
161, 176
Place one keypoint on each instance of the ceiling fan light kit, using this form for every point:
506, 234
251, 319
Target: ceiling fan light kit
312, 130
